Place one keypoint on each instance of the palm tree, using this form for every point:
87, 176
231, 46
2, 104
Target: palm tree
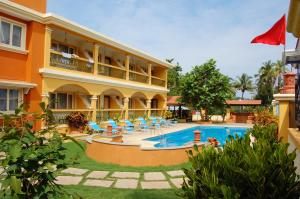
243, 83
278, 71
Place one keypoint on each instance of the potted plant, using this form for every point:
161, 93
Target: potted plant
76, 122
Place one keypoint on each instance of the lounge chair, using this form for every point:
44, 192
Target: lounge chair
129, 127
114, 125
143, 124
94, 126
155, 123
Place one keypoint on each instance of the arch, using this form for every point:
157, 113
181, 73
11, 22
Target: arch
112, 92
72, 88
158, 101
139, 94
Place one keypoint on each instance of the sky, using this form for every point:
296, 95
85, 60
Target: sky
191, 31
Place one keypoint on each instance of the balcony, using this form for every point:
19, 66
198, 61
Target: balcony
111, 71
158, 81
70, 62
138, 77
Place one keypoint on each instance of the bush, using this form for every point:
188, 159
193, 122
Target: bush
265, 117
29, 160
77, 120
262, 169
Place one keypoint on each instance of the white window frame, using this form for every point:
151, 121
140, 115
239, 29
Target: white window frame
23, 35
20, 98
68, 94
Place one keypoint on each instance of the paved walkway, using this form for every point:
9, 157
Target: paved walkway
121, 180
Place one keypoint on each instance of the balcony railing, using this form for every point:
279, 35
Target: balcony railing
111, 71
138, 77
61, 114
137, 113
71, 63
158, 81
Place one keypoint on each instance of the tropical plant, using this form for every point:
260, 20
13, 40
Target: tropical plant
174, 78
168, 115
117, 117
29, 160
205, 88
77, 120
265, 117
243, 83
243, 169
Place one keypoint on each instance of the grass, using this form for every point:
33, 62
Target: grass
74, 151
109, 193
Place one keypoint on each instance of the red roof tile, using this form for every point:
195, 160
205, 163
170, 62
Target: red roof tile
173, 100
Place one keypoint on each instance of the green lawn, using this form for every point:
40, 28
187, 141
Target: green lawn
74, 151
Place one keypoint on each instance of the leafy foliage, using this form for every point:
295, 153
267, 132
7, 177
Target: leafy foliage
28, 158
77, 120
242, 169
174, 78
265, 117
205, 88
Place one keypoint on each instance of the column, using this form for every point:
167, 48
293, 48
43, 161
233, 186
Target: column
149, 107
127, 61
149, 73
283, 120
47, 47
227, 117
94, 107
45, 99
95, 56
166, 78
126, 102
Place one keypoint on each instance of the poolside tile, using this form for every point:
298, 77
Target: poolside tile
68, 180
177, 182
155, 185
154, 176
75, 171
98, 183
98, 174
126, 183
119, 174
175, 173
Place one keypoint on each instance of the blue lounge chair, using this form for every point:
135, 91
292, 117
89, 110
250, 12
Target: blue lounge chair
155, 123
94, 126
114, 125
143, 124
129, 127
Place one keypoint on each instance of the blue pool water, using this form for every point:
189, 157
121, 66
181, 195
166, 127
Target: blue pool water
186, 136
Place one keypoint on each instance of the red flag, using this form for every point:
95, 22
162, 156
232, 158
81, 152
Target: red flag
274, 36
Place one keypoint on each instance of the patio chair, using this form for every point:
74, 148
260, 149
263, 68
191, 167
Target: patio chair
94, 126
143, 124
129, 127
114, 125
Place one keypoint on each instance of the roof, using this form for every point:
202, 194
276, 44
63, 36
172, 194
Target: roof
28, 14
173, 100
293, 22
244, 102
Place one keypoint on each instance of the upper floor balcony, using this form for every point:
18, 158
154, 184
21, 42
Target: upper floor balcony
77, 54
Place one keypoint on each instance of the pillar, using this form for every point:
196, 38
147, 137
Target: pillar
127, 62
149, 73
94, 99
149, 107
47, 47
45, 99
126, 102
166, 79
227, 117
95, 56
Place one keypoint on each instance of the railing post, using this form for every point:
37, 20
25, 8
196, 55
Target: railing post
149, 73
126, 102
94, 99
127, 62
149, 107
47, 46
95, 56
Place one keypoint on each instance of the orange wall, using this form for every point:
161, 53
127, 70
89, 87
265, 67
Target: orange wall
38, 5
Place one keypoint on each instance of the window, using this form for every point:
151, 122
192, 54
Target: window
9, 99
62, 48
12, 34
61, 101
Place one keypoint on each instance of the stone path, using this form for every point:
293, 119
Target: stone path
121, 180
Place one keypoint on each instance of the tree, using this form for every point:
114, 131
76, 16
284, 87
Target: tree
279, 70
205, 88
265, 82
243, 83
174, 78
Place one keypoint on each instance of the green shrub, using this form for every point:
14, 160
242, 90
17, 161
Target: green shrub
262, 169
29, 159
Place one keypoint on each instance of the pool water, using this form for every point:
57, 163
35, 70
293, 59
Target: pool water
186, 136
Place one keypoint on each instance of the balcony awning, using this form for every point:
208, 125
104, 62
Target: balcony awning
17, 84
293, 22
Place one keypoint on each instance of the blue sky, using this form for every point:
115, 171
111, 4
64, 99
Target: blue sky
191, 31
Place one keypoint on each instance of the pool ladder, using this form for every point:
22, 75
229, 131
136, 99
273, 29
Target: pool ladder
163, 140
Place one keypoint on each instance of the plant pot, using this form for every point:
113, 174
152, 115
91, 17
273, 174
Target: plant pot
74, 130
197, 136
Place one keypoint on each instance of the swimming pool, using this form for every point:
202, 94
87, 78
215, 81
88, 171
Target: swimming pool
186, 136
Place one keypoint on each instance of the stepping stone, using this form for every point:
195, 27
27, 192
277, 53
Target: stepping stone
98, 183
156, 185
75, 171
98, 174
175, 173
126, 183
126, 174
154, 176
68, 180
177, 182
